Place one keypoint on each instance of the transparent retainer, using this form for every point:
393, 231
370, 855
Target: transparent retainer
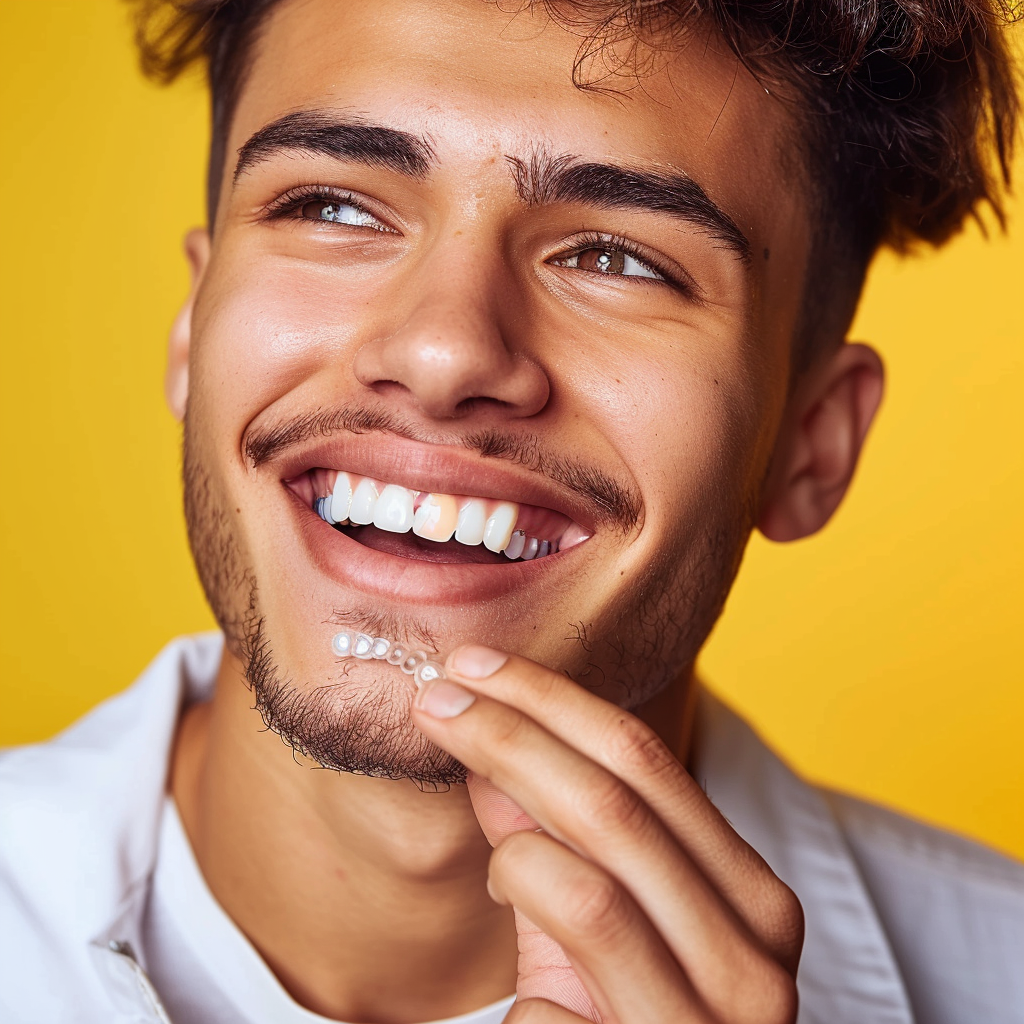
418, 664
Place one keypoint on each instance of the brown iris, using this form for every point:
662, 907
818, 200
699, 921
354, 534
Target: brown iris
318, 210
602, 261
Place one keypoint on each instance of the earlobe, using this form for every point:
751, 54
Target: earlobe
820, 441
197, 249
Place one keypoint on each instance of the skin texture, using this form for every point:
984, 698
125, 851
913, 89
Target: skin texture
368, 897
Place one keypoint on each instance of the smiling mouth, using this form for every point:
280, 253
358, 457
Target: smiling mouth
432, 526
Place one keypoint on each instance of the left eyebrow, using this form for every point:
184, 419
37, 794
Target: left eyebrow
343, 137
545, 178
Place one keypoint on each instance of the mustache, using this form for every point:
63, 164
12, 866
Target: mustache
611, 501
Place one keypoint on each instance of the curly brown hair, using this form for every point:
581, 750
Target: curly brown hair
907, 109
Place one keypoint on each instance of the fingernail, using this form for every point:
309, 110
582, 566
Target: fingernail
442, 699
477, 662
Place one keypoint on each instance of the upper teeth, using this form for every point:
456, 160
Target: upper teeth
433, 516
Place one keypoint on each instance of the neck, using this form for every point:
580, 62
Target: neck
366, 897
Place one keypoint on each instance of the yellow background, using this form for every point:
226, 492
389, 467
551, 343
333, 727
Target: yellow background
883, 656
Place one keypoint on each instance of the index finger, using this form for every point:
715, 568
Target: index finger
628, 748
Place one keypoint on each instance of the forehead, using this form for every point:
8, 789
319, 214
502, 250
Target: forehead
483, 83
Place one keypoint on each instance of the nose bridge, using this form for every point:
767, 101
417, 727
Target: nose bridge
461, 304
451, 344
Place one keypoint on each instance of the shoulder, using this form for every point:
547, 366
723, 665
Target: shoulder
903, 921
953, 911
79, 779
78, 824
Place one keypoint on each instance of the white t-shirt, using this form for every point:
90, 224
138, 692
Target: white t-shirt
202, 966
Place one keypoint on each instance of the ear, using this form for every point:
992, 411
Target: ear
197, 250
820, 441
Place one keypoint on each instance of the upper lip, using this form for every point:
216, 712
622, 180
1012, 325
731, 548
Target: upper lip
437, 468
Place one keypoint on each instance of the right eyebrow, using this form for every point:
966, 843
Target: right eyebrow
343, 137
543, 177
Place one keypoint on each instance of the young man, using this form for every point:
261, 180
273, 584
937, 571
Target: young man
511, 323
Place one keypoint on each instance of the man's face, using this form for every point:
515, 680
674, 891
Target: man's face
451, 270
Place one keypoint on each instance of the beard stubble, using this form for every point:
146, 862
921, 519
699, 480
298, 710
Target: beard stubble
363, 726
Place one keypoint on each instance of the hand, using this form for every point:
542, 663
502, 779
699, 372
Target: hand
637, 902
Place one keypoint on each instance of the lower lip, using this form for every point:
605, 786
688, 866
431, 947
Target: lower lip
414, 580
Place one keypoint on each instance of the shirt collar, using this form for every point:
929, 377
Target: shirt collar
848, 974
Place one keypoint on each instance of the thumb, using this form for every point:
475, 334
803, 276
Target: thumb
544, 969
499, 815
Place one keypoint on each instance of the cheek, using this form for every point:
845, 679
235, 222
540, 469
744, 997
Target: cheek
269, 328
685, 419
695, 458
684, 422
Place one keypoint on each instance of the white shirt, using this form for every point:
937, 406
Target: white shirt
904, 923
204, 968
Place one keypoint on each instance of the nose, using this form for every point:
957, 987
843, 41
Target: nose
451, 355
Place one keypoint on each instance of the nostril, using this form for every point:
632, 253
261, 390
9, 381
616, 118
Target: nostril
387, 387
470, 405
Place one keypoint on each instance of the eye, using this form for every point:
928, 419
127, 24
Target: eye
324, 205
608, 256
338, 212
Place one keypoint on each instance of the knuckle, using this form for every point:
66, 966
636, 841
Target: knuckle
782, 919
636, 748
775, 1000
783, 903
764, 993
508, 730
611, 807
595, 909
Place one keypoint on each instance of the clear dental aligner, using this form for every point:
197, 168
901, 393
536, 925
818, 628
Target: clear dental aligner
418, 664
362, 501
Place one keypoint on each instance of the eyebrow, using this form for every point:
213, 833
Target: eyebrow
545, 178
342, 137
540, 179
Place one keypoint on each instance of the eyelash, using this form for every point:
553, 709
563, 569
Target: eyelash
295, 198
601, 240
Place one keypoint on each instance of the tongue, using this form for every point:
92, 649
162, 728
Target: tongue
408, 545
